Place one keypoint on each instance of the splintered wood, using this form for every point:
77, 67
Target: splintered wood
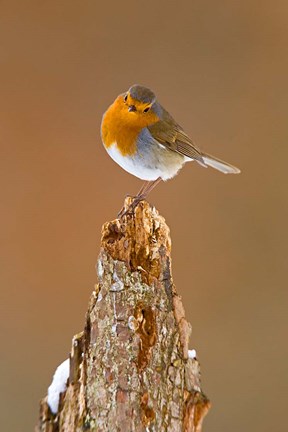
130, 370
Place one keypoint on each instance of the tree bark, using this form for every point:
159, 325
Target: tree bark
130, 369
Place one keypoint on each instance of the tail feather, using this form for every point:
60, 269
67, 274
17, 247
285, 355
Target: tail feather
219, 165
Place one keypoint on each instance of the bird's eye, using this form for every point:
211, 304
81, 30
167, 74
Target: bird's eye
125, 98
146, 109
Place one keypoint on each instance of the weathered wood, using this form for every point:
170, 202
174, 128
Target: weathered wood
129, 369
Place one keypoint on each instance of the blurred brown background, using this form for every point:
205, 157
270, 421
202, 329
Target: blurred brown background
221, 69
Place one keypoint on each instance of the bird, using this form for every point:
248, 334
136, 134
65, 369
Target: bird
145, 140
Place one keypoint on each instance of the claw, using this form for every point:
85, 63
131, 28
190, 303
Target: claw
130, 210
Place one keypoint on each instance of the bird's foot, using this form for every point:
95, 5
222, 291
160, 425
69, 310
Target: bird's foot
131, 208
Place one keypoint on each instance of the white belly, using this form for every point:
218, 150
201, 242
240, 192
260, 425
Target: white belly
164, 164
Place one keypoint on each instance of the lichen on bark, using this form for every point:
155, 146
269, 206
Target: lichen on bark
129, 370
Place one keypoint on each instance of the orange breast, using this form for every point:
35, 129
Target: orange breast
122, 127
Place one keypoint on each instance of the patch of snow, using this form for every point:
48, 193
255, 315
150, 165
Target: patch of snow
58, 385
192, 353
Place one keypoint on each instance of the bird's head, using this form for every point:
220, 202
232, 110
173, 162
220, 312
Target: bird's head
138, 106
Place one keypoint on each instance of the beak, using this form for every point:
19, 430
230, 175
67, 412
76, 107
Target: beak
131, 108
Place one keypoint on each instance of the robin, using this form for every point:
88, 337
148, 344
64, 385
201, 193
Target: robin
145, 140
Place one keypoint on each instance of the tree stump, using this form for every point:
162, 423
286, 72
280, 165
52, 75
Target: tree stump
130, 369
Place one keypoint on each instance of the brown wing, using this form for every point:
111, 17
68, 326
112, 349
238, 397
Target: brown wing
172, 136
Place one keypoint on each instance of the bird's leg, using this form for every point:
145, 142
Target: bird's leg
142, 194
141, 191
146, 189
143, 187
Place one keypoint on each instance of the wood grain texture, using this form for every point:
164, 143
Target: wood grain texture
129, 369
